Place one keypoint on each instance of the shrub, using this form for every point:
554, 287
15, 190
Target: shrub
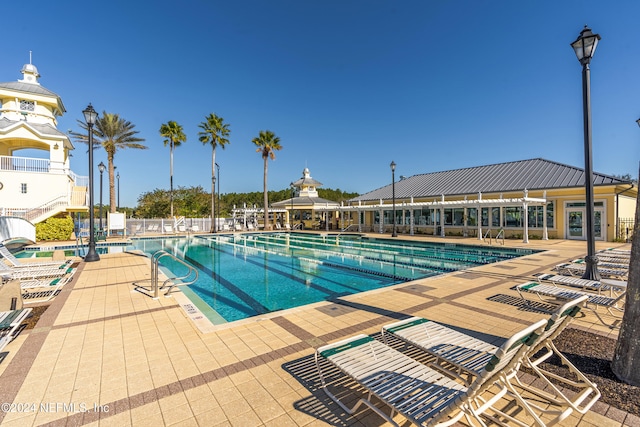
55, 229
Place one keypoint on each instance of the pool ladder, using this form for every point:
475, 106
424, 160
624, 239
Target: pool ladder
154, 288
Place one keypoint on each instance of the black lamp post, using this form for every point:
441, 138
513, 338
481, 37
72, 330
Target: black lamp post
101, 168
218, 198
393, 196
90, 117
585, 46
118, 178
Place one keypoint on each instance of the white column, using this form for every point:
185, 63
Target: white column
479, 217
545, 233
525, 237
411, 221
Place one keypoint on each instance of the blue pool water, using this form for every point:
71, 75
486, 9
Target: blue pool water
245, 275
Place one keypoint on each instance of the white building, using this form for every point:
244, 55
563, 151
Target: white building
35, 188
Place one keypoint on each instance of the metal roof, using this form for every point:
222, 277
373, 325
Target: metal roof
35, 89
306, 201
28, 88
533, 174
42, 128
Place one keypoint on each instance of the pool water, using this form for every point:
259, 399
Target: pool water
72, 250
244, 275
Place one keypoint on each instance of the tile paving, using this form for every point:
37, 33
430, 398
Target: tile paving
103, 354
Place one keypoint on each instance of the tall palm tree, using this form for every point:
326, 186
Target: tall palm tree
113, 133
267, 142
214, 131
175, 136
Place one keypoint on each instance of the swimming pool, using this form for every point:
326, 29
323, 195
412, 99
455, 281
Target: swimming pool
73, 250
244, 275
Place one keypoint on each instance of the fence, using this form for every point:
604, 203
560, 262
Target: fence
625, 229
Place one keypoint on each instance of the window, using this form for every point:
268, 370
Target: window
495, 217
513, 216
458, 216
550, 214
485, 217
27, 105
448, 216
472, 213
23, 188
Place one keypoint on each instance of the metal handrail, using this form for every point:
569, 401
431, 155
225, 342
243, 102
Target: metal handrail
169, 283
501, 232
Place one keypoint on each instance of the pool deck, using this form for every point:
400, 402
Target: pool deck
103, 354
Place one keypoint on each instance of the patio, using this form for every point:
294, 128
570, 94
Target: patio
102, 354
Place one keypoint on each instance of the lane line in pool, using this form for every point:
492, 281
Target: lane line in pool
246, 298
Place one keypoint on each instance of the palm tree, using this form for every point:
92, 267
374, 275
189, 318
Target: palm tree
175, 136
113, 133
267, 142
214, 131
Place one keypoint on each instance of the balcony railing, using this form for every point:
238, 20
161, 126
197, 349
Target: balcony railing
24, 164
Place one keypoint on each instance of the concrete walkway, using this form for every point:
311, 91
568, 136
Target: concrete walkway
103, 354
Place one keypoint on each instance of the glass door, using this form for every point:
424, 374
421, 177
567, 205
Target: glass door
576, 224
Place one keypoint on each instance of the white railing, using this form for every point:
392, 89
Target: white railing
79, 181
24, 164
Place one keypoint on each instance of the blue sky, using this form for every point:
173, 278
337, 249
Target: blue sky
347, 85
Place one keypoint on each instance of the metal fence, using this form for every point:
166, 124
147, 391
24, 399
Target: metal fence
625, 229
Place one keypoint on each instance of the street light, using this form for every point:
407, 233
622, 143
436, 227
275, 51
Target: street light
90, 117
585, 46
218, 198
393, 195
118, 178
101, 168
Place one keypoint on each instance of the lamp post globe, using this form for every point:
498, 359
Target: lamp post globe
584, 47
393, 196
90, 117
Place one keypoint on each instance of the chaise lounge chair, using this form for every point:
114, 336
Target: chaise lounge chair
9, 322
34, 272
613, 287
593, 302
573, 269
606, 264
466, 355
421, 394
42, 290
15, 262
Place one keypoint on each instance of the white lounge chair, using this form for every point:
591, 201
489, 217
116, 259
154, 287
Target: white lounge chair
468, 354
15, 262
594, 301
9, 322
34, 272
423, 395
613, 287
573, 269
614, 259
42, 290
606, 264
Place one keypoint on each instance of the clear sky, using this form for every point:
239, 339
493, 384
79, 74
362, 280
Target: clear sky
347, 85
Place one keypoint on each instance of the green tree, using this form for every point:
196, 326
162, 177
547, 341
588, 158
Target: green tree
174, 137
626, 358
113, 133
214, 132
267, 142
